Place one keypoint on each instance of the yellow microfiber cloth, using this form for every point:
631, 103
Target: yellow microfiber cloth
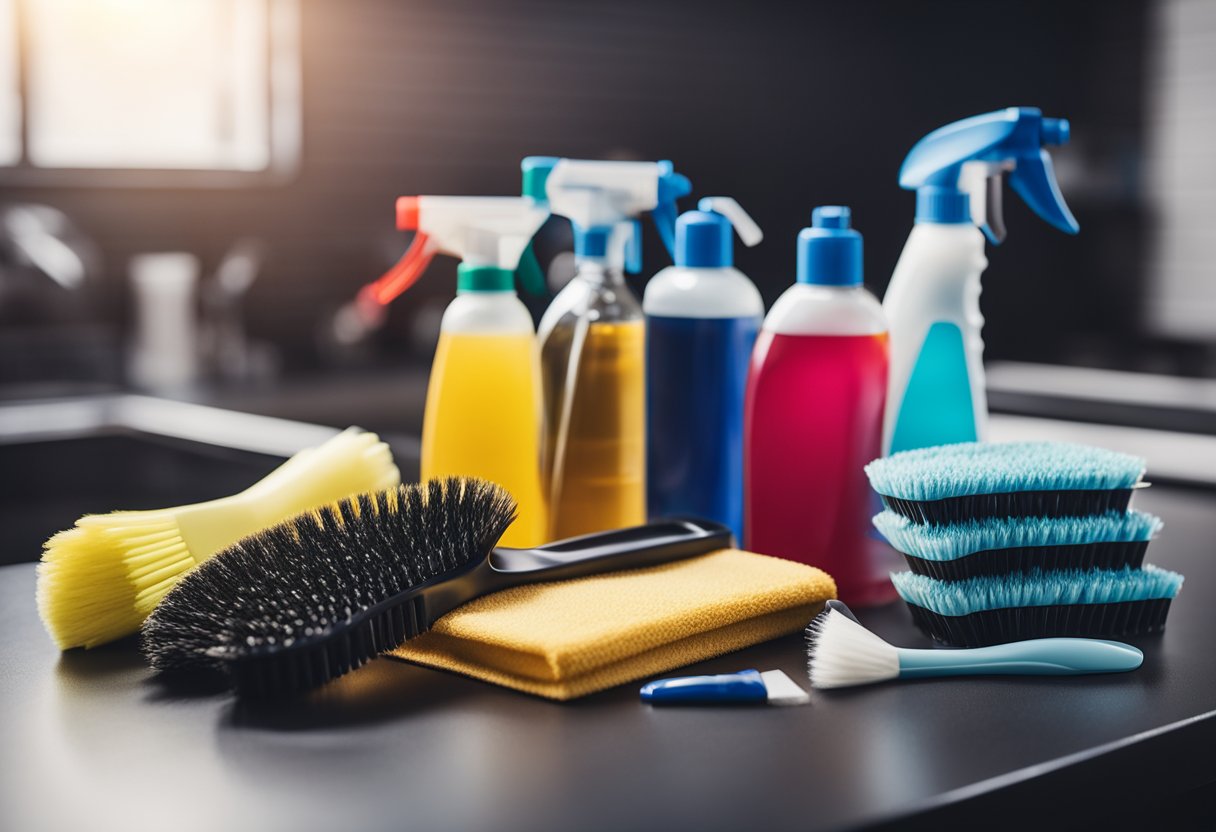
567, 639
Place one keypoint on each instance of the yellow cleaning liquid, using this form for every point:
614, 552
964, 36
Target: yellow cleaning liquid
596, 456
481, 420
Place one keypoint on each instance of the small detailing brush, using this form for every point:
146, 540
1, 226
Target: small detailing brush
99, 580
1001, 545
992, 609
843, 653
970, 480
310, 599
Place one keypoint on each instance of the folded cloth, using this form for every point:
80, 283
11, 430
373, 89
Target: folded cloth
566, 639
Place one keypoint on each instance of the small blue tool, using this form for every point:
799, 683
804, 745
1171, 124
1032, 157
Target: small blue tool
772, 687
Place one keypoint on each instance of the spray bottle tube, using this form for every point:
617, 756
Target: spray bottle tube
592, 340
936, 394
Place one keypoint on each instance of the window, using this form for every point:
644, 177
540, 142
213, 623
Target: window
10, 94
1181, 174
147, 91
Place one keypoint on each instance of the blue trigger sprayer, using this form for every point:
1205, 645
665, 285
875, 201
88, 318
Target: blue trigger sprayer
936, 390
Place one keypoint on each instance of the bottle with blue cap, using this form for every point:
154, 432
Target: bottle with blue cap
813, 416
936, 393
702, 316
592, 339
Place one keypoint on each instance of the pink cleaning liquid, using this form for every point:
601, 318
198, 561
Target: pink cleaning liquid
813, 419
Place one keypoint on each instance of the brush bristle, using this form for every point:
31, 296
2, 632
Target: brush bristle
305, 579
1037, 589
982, 535
972, 468
83, 596
1003, 545
844, 653
151, 550
98, 581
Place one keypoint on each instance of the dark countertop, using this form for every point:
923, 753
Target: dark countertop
89, 740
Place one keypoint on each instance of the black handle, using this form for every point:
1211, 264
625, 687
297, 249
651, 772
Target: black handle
632, 548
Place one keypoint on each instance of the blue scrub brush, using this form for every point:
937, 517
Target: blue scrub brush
969, 480
991, 609
843, 653
1001, 545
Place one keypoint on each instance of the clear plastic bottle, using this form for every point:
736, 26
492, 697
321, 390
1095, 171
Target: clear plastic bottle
593, 342
593, 339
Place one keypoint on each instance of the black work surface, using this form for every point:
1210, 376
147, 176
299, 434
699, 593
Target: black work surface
89, 741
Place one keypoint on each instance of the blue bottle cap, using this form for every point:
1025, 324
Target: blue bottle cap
704, 240
829, 252
948, 206
705, 237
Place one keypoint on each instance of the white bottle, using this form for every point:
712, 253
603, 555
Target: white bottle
933, 309
702, 316
936, 394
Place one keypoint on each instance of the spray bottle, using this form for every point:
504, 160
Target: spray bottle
592, 340
702, 315
813, 415
482, 414
937, 394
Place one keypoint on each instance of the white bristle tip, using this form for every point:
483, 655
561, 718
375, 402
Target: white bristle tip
844, 653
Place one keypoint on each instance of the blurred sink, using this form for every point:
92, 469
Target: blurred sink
61, 459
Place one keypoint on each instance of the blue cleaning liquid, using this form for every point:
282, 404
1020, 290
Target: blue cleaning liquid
696, 376
937, 407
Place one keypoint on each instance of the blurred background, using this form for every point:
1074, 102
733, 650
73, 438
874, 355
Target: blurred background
256, 147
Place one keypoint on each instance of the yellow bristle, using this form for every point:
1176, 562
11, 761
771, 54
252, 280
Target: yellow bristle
150, 549
318, 518
82, 594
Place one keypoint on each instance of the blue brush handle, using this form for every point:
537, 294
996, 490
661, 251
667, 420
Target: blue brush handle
744, 686
1037, 657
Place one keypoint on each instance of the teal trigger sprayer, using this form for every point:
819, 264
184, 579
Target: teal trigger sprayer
936, 391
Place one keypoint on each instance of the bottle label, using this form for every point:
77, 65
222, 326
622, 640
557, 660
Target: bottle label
937, 408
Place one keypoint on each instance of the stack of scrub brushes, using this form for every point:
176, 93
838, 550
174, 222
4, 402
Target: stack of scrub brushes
1021, 540
99, 580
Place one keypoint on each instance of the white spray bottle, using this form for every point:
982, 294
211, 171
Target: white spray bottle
936, 394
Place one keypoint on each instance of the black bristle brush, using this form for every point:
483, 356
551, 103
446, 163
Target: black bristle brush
303, 602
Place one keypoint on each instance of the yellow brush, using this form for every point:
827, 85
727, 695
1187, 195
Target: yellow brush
99, 580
